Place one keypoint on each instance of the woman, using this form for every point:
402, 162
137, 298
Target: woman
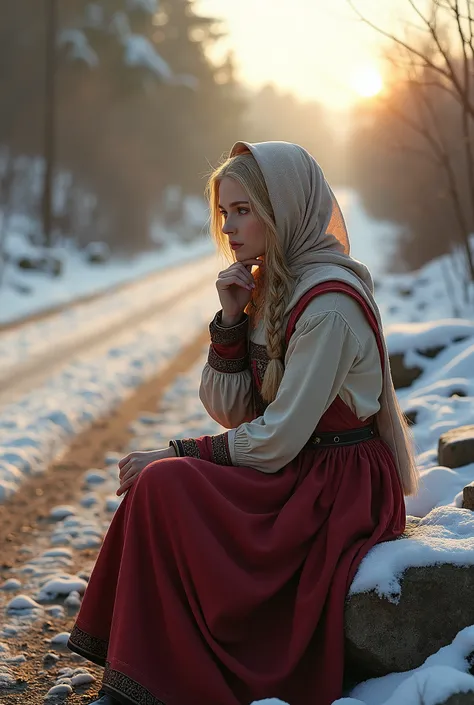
223, 575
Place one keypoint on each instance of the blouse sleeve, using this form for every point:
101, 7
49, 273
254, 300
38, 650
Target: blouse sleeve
226, 381
320, 354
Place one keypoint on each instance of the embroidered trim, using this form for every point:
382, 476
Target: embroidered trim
120, 684
91, 647
186, 447
220, 452
225, 336
223, 365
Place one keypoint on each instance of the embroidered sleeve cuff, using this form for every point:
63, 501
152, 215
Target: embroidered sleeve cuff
222, 363
228, 336
215, 449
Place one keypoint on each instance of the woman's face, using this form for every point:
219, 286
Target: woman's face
245, 232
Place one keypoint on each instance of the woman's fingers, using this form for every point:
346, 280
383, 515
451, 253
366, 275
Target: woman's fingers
130, 473
124, 469
124, 487
235, 278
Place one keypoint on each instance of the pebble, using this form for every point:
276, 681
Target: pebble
89, 500
55, 611
60, 639
51, 658
78, 658
82, 679
112, 503
73, 599
58, 553
22, 602
61, 512
62, 585
64, 680
11, 584
6, 679
9, 630
20, 658
95, 477
4, 647
63, 689
65, 672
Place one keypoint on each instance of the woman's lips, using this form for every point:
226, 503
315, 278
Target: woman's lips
235, 245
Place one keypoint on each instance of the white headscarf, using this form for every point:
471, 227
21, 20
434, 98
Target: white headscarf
317, 249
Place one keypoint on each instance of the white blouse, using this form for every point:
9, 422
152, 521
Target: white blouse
333, 351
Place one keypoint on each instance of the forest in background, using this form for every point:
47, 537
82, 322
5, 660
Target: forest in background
140, 107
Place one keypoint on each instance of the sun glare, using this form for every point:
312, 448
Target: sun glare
367, 81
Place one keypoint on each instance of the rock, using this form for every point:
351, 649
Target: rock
11, 584
60, 639
468, 497
460, 699
382, 636
456, 447
61, 512
22, 602
82, 679
50, 659
62, 690
402, 375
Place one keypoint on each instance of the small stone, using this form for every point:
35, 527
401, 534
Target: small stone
468, 497
61, 512
64, 689
22, 602
50, 658
89, 500
20, 658
95, 477
456, 447
11, 584
55, 611
64, 680
112, 503
82, 679
65, 672
60, 639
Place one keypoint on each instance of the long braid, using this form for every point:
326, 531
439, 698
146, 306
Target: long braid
277, 295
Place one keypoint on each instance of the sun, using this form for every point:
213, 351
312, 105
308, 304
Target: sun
367, 81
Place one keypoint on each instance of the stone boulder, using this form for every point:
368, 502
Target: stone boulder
460, 699
417, 609
435, 604
456, 447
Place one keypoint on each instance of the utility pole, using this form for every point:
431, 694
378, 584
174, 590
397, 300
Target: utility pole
49, 119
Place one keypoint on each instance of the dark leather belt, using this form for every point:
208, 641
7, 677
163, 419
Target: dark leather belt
341, 438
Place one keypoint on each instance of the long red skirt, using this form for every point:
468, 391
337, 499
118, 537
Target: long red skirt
221, 585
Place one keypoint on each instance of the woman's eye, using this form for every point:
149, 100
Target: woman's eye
223, 214
245, 210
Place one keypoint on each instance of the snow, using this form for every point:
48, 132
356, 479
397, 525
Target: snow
402, 337
39, 424
81, 278
445, 536
78, 45
442, 675
139, 51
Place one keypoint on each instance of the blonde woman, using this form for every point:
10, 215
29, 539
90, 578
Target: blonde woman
223, 575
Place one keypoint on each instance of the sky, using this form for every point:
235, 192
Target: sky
313, 47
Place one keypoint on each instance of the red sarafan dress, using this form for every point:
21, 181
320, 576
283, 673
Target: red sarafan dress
221, 585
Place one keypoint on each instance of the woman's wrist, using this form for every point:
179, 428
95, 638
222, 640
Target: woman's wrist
228, 321
170, 452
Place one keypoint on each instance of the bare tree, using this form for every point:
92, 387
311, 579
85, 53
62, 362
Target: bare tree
437, 54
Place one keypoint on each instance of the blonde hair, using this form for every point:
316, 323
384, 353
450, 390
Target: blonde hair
273, 289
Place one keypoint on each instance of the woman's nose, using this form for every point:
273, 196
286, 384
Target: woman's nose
227, 228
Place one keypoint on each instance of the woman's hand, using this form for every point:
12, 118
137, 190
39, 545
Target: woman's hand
133, 463
234, 286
